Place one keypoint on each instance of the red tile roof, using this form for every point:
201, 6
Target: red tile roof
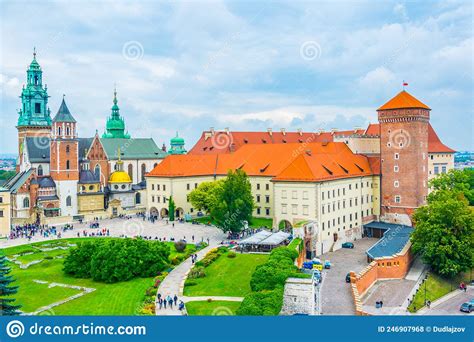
403, 100
283, 162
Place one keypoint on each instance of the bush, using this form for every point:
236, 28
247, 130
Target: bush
231, 254
114, 260
48, 257
210, 257
180, 246
151, 291
264, 303
197, 272
177, 259
190, 283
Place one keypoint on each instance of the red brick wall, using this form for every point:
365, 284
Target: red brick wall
97, 156
59, 158
409, 126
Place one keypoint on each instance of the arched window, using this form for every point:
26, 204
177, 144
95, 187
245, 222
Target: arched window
68, 130
138, 198
26, 202
36, 79
67, 165
68, 201
143, 171
97, 172
59, 130
130, 171
40, 170
67, 148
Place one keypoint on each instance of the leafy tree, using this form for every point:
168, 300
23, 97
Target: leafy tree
171, 208
444, 233
7, 308
263, 303
234, 203
204, 197
455, 180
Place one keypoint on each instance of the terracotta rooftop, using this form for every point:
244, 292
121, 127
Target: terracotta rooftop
283, 162
403, 100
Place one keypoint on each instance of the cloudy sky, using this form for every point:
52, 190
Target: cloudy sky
244, 65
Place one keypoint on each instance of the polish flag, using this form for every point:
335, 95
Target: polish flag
405, 84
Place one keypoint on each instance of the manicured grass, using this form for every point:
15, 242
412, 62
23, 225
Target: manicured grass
436, 287
123, 298
214, 308
227, 276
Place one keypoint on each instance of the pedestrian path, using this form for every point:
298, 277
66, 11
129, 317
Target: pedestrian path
214, 298
173, 284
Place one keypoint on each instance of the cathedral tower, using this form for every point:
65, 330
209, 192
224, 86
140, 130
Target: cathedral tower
115, 127
34, 115
64, 160
404, 122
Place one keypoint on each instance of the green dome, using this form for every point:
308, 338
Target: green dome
177, 141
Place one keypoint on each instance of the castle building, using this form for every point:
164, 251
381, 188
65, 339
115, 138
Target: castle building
62, 177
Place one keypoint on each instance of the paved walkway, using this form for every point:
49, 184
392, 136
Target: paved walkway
173, 284
214, 298
449, 304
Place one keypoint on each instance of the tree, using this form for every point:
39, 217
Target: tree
444, 233
455, 180
7, 308
171, 208
234, 203
204, 197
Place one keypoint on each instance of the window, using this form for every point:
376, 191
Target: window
37, 108
258, 198
68, 201
283, 194
40, 170
305, 210
294, 209
91, 187
143, 171
158, 199
396, 184
153, 187
1, 199
267, 199
322, 197
68, 165
267, 211
188, 186
258, 210
1, 213
130, 171
283, 209
396, 156
436, 169
395, 168
59, 130
267, 186
157, 187
68, 132
97, 171
398, 199
258, 186
443, 169
153, 198
164, 187
195, 185
26, 202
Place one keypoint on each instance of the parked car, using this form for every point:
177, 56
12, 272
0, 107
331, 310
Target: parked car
467, 307
348, 278
347, 245
327, 264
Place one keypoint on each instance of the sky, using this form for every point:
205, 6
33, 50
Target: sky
244, 65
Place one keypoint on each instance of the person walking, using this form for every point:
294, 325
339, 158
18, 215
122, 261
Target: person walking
175, 298
164, 303
171, 303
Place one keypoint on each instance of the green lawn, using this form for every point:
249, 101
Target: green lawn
214, 308
436, 287
227, 276
124, 298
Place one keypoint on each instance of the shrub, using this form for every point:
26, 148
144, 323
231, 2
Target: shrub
264, 303
117, 259
197, 272
231, 254
151, 291
48, 257
209, 300
177, 259
180, 246
190, 283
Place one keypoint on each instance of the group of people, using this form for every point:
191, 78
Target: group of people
32, 229
168, 301
101, 232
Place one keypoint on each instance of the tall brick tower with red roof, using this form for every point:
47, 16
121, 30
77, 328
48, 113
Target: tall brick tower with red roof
404, 123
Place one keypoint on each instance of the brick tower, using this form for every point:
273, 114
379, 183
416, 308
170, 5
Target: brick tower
64, 160
404, 122
34, 118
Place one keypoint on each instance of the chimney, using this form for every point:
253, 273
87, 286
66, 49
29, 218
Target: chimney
320, 130
300, 131
283, 131
226, 130
270, 132
212, 131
